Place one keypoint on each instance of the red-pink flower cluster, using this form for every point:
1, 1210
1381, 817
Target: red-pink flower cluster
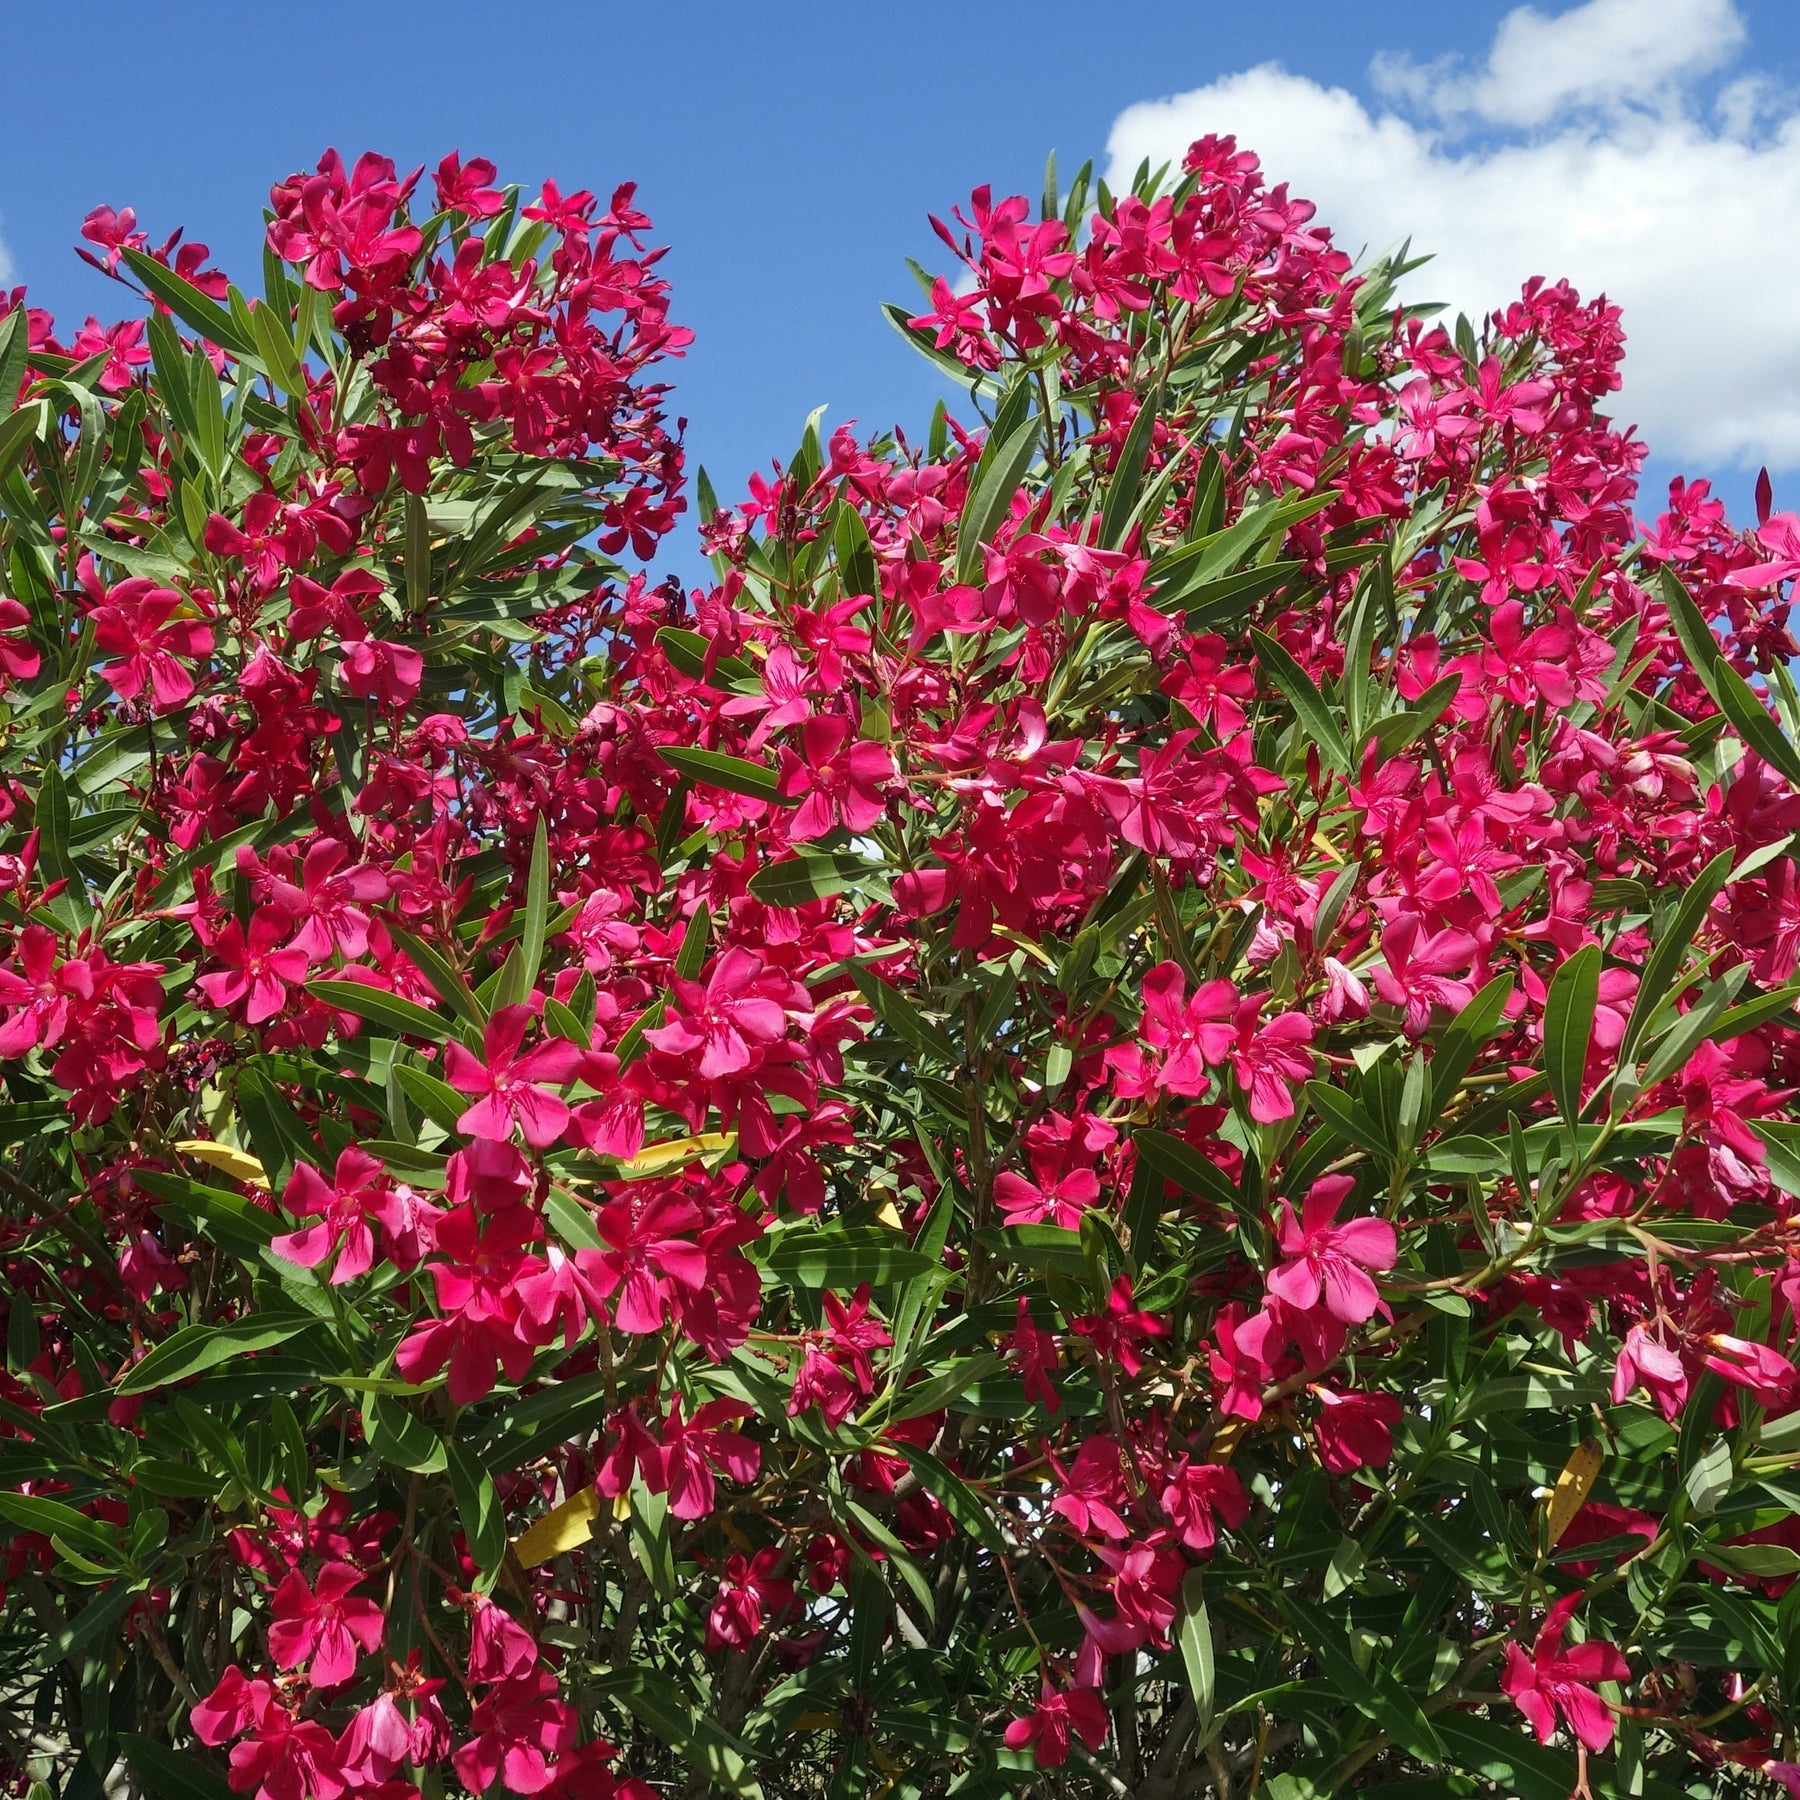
1103, 977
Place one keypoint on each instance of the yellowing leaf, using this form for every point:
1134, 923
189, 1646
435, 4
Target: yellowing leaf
890, 1216
564, 1528
1572, 1488
1227, 1438
238, 1164
658, 1159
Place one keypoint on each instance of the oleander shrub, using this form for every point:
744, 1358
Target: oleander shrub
1117, 1119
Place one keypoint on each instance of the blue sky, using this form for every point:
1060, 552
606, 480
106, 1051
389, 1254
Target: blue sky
790, 153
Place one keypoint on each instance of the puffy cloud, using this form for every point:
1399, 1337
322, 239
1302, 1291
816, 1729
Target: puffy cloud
1588, 145
1607, 53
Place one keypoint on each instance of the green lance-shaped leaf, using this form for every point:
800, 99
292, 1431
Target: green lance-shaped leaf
1730, 692
17, 429
570, 1221
15, 348
1308, 703
399, 1436
1503, 1751
713, 768
1374, 601
478, 1507
397, 1016
690, 653
696, 939
1001, 467
966, 1507
1352, 1122
1227, 597
417, 559
166, 1774
1376, 1693
276, 348
54, 821
434, 1097
527, 955
719, 1757
1712, 1019
1178, 1161
1569, 1026
1663, 965
813, 875
842, 1256
54, 1519
1194, 1635
1471, 1028
857, 571
900, 1016
195, 1348
1128, 475
192, 307
209, 432
1392, 734
446, 981
1178, 573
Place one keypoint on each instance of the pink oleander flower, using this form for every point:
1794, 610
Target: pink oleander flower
1033, 1352
836, 779
1765, 1373
1198, 1497
1329, 1260
137, 622
1270, 1060
500, 1648
739, 1010
259, 968
1642, 1361
519, 1726
1060, 1201
1059, 1718
752, 1593
327, 1626
511, 1089
358, 1192
1421, 970
1117, 1333
1187, 1035
1355, 1431
1552, 1682
694, 1449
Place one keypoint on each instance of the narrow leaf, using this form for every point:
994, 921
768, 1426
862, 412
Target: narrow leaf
1730, 692
1308, 703
396, 1015
1194, 1635
194, 308
478, 1506
713, 768
1658, 981
1569, 1027
1128, 475
198, 1347
1002, 466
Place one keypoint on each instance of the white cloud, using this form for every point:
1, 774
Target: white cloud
1607, 53
1600, 158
